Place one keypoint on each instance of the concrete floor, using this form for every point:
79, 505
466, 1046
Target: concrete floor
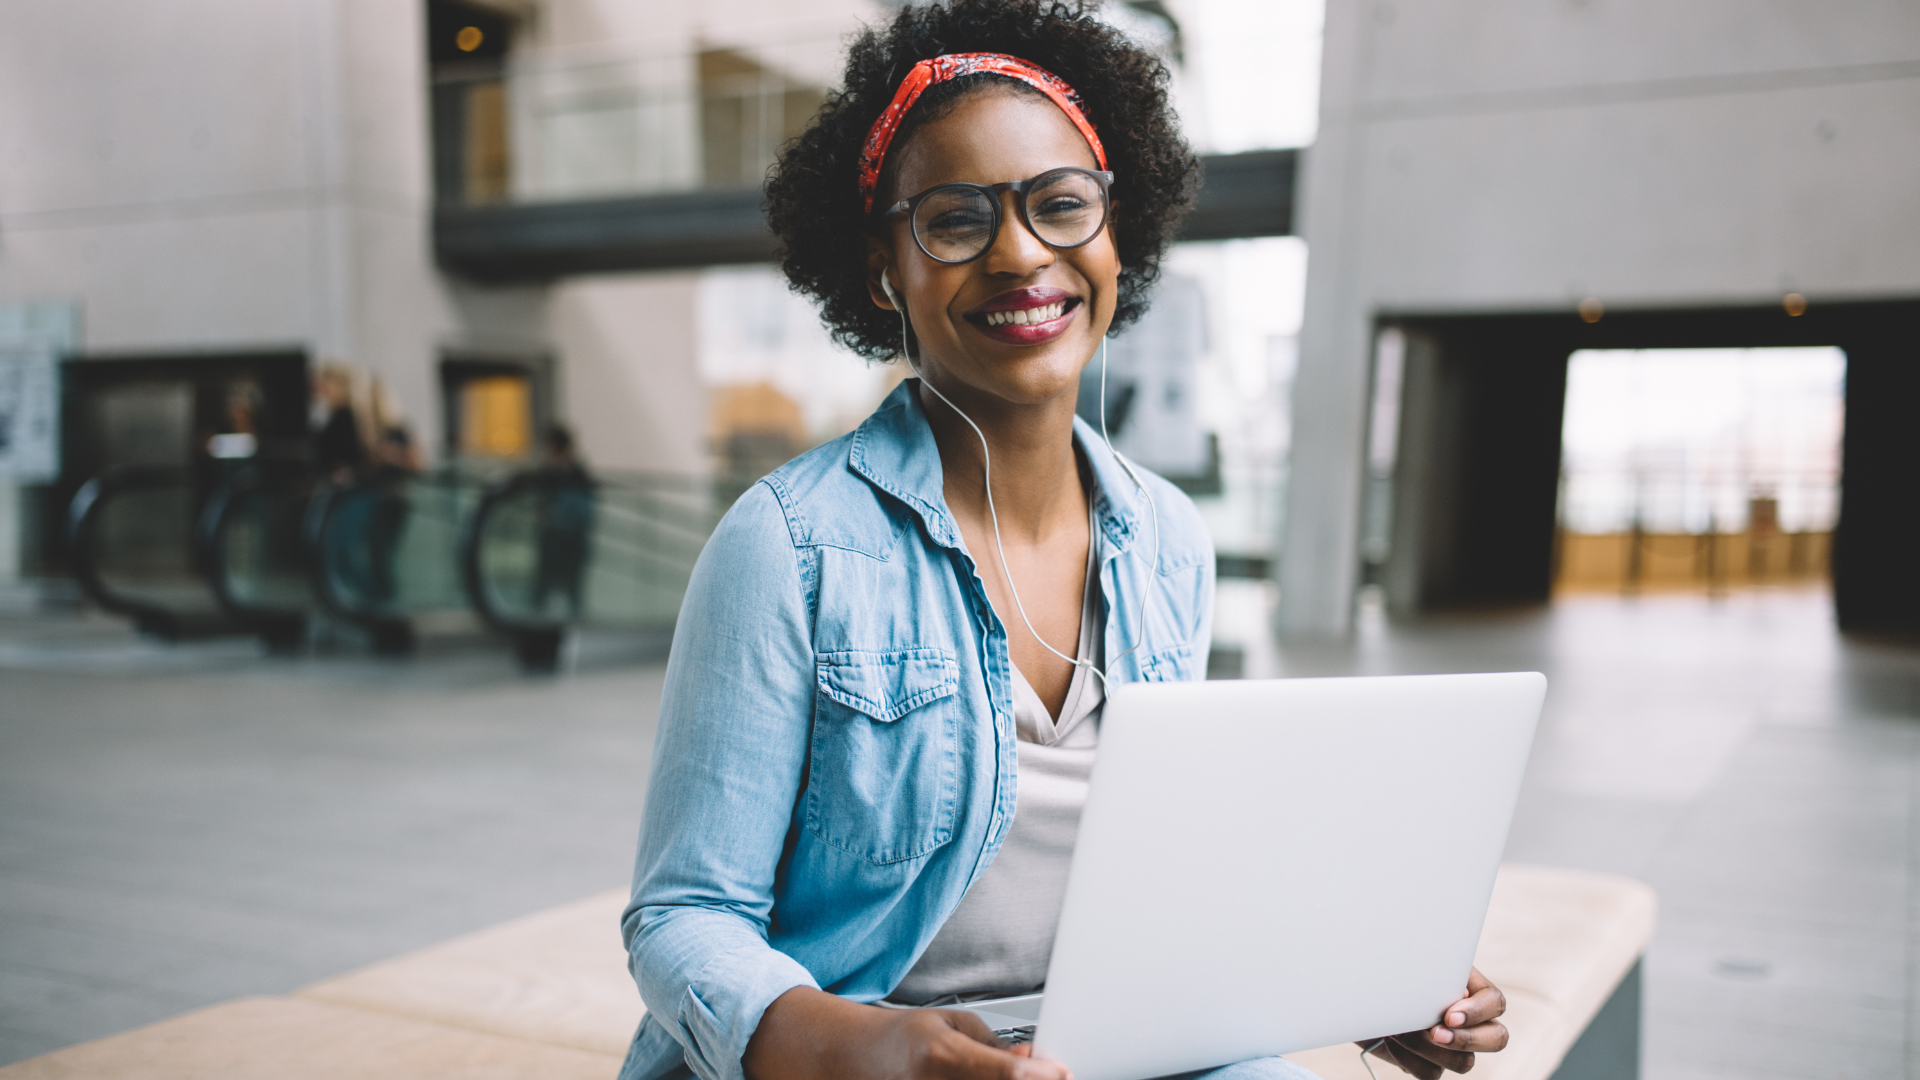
180, 825
184, 824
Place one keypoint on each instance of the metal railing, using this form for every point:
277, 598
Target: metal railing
1701, 501
1638, 528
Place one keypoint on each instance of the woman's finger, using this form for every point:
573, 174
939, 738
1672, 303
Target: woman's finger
1486, 1038
1483, 1002
1417, 1043
1409, 1062
967, 1023
957, 1056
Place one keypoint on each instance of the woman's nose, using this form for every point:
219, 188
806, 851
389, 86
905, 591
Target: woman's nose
1016, 250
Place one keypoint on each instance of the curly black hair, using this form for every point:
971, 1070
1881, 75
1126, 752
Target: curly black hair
813, 199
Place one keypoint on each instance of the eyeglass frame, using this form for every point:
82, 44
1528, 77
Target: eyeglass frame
992, 192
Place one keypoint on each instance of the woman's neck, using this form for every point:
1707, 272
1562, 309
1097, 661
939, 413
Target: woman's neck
1036, 479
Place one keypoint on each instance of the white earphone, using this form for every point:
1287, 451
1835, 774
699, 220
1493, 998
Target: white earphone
987, 467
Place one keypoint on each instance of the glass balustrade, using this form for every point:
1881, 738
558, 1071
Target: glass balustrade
548, 551
387, 550
255, 557
532, 555
576, 123
132, 541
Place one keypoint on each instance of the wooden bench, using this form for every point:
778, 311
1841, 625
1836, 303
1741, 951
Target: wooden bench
549, 996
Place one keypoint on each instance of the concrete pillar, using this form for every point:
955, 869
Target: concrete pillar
1320, 554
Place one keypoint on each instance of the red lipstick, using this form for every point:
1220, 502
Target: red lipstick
1029, 316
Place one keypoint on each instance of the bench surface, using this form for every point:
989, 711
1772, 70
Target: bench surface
294, 1039
548, 995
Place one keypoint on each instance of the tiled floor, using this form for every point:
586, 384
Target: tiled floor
180, 825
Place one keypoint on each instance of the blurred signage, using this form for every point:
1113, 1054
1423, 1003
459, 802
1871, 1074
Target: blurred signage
33, 338
29, 413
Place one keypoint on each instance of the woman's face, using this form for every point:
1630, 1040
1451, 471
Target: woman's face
991, 137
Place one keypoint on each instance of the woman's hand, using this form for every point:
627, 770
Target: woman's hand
809, 1034
1469, 1026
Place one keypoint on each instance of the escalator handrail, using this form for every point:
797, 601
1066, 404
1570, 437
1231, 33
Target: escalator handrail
214, 522
322, 506
473, 574
83, 519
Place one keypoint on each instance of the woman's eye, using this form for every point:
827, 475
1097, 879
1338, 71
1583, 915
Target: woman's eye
954, 221
1059, 205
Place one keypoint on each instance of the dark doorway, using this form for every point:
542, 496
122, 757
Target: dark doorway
1478, 462
179, 411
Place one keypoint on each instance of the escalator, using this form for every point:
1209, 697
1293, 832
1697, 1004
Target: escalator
547, 552
133, 537
383, 553
266, 549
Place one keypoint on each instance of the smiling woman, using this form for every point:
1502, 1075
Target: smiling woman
813, 200
883, 702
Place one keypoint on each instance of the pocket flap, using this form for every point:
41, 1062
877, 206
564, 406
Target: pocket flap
888, 685
1168, 666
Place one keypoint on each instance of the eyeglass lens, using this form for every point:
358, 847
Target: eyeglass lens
956, 223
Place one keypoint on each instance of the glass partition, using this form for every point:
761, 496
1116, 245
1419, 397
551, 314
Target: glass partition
551, 549
389, 548
132, 542
256, 559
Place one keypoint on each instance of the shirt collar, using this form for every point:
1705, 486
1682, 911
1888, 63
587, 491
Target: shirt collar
895, 451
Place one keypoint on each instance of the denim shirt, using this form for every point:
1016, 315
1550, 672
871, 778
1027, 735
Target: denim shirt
835, 760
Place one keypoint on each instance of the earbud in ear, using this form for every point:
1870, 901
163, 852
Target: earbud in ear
887, 287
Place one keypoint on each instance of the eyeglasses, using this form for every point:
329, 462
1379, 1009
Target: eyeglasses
956, 223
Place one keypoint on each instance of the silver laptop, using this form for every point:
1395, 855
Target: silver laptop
1266, 867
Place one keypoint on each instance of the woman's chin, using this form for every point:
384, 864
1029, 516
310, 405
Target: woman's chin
1041, 376
1030, 375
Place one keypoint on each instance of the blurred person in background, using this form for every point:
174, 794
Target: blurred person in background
338, 450
882, 629
566, 521
235, 440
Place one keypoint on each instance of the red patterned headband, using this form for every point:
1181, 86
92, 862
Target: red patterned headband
941, 69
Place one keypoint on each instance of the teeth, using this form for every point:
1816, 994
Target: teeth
1027, 316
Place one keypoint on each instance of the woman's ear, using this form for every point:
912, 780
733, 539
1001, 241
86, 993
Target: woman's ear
879, 259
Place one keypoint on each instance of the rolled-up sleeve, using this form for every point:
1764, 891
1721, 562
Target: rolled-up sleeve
728, 762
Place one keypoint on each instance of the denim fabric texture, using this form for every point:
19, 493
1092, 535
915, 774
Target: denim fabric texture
835, 760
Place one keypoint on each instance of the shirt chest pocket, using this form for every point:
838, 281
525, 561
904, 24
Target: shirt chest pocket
883, 776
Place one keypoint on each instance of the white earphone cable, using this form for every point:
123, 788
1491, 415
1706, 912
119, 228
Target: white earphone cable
993, 514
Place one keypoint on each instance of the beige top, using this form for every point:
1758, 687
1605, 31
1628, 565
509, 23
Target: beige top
998, 940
